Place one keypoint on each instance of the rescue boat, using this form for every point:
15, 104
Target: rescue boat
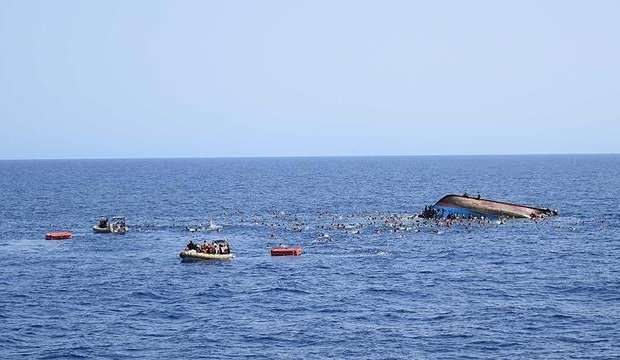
101, 230
286, 251
189, 255
117, 225
58, 235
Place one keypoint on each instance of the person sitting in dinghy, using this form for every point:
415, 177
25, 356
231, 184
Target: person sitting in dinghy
192, 246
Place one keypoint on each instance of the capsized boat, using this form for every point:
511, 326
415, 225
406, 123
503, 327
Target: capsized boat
216, 250
466, 206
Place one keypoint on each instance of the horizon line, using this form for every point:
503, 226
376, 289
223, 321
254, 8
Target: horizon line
298, 156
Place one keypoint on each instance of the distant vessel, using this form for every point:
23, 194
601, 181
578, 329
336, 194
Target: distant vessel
213, 227
466, 206
117, 225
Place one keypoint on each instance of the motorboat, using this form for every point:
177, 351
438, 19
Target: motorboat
117, 225
214, 227
103, 226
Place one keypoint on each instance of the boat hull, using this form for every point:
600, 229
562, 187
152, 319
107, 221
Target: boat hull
107, 230
468, 207
193, 255
98, 230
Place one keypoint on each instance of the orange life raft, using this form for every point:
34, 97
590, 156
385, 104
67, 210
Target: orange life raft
58, 235
286, 251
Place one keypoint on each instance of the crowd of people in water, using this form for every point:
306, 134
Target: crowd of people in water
330, 225
218, 247
325, 226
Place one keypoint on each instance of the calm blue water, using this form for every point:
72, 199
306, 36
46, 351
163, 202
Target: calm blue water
520, 290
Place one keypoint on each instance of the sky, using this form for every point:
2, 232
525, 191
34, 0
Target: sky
108, 79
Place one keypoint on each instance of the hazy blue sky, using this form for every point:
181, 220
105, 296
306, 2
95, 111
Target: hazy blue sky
252, 78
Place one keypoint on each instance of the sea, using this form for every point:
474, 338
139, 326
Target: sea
373, 282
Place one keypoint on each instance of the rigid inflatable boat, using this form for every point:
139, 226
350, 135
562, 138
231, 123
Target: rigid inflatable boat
190, 255
101, 230
117, 225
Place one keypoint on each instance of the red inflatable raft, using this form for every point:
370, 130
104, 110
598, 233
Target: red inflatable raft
286, 251
58, 235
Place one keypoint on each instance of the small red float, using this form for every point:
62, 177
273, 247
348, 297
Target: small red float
286, 251
58, 235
